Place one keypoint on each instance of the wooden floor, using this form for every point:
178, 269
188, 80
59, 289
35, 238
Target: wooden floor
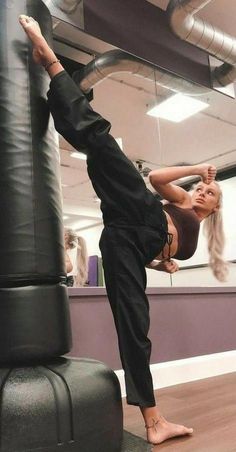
209, 406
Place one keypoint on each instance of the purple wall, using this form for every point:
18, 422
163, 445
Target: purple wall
185, 322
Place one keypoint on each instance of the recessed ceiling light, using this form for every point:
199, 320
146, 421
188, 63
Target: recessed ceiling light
177, 108
78, 155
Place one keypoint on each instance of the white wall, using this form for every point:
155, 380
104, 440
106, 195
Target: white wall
92, 236
195, 277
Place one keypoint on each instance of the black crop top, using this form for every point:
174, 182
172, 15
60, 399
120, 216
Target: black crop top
187, 225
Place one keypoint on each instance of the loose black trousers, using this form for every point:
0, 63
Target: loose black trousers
135, 229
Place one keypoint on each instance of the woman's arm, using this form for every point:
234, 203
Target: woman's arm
161, 180
69, 265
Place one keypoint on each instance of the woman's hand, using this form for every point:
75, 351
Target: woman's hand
167, 266
207, 172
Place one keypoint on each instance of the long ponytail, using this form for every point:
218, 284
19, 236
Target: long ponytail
74, 241
82, 263
214, 231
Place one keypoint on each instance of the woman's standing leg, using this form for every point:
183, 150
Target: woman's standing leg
125, 279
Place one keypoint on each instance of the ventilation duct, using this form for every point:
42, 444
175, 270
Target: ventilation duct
115, 61
204, 35
68, 6
69, 32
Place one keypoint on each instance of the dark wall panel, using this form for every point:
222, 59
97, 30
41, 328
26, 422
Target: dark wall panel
140, 28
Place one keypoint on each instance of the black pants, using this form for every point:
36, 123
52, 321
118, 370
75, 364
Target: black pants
69, 281
135, 230
127, 245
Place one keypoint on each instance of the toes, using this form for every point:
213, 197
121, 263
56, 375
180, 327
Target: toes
187, 431
23, 19
26, 20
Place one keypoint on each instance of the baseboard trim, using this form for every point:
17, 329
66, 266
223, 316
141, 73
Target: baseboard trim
184, 370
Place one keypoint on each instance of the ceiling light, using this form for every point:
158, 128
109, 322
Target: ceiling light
79, 155
177, 108
65, 217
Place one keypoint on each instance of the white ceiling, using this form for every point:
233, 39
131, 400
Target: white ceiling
124, 99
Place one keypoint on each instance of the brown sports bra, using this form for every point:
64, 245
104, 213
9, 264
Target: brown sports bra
187, 225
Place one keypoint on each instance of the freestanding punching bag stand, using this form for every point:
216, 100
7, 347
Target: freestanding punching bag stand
48, 403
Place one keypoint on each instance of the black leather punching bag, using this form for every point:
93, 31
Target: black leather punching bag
34, 320
47, 403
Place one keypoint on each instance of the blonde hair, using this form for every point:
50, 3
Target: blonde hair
72, 240
214, 231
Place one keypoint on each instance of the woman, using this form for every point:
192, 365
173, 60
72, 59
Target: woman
76, 251
136, 228
68, 264
183, 225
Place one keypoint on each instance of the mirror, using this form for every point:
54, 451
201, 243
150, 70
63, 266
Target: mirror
208, 136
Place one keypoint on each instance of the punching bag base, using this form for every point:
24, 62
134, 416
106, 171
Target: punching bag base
34, 323
66, 405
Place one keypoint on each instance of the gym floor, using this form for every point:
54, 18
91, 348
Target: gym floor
209, 406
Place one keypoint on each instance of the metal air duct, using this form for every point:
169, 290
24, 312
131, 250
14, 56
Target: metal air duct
70, 29
68, 6
204, 35
115, 61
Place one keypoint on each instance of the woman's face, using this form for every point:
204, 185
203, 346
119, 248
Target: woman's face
206, 197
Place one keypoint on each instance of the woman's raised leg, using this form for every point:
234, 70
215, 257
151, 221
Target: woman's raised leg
158, 429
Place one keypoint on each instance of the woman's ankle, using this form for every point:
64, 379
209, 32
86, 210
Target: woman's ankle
46, 53
151, 414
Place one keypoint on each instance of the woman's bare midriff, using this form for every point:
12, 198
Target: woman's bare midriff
174, 245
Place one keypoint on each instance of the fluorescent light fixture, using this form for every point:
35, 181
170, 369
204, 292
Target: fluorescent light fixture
177, 108
120, 142
65, 217
78, 155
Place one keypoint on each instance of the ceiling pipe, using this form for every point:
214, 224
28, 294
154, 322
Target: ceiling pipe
115, 61
68, 6
203, 35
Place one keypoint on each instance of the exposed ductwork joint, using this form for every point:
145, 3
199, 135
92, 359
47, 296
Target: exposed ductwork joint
68, 6
204, 35
68, 22
116, 61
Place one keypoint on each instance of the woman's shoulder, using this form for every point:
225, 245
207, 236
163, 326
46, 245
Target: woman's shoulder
185, 203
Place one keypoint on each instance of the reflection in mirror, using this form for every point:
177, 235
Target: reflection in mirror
152, 143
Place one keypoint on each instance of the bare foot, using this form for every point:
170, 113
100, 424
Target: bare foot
159, 431
42, 53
